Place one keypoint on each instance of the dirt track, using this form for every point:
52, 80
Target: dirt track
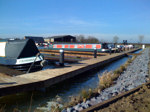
137, 102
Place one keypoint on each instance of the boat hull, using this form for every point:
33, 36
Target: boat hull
25, 67
23, 64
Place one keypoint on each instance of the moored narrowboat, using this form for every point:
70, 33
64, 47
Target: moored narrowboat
20, 55
101, 47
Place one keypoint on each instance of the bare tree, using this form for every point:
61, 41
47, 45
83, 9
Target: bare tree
141, 38
115, 39
89, 39
103, 41
92, 39
80, 38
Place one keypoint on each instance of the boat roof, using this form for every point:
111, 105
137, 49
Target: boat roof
20, 48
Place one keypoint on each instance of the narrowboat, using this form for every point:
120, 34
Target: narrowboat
20, 55
102, 47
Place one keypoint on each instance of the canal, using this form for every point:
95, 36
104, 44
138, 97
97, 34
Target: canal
71, 87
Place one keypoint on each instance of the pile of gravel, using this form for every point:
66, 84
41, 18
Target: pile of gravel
135, 75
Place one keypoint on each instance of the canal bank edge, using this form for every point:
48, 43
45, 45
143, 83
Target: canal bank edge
33, 81
112, 100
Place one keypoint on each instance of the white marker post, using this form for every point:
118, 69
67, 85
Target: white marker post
143, 46
61, 58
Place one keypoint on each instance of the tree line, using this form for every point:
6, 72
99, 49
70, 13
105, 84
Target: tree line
89, 39
92, 39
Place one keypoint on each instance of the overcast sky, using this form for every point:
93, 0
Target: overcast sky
103, 19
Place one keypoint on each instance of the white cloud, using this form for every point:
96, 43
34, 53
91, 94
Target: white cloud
79, 22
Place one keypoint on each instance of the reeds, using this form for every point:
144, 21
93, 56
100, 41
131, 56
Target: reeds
29, 110
86, 94
73, 101
83, 96
2, 108
56, 108
105, 80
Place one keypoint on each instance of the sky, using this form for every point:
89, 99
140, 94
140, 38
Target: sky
104, 19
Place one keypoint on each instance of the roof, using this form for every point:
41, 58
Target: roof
62, 36
36, 39
20, 48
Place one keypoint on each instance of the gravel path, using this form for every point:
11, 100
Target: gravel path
135, 75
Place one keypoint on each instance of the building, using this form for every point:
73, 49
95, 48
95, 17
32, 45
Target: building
36, 39
62, 38
48, 40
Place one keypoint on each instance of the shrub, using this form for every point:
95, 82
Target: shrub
126, 65
105, 80
115, 76
2, 108
129, 61
73, 101
122, 68
56, 108
86, 94
117, 72
133, 58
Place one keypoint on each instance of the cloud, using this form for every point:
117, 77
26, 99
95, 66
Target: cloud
79, 22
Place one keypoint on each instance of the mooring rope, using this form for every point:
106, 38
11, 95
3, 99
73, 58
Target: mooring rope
33, 62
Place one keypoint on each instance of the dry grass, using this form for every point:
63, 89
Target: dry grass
2, 108
56, 108
86, 94
29, 110
105, 80
73, 101
82, 97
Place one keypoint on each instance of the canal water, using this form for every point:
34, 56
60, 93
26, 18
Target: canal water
71, 87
